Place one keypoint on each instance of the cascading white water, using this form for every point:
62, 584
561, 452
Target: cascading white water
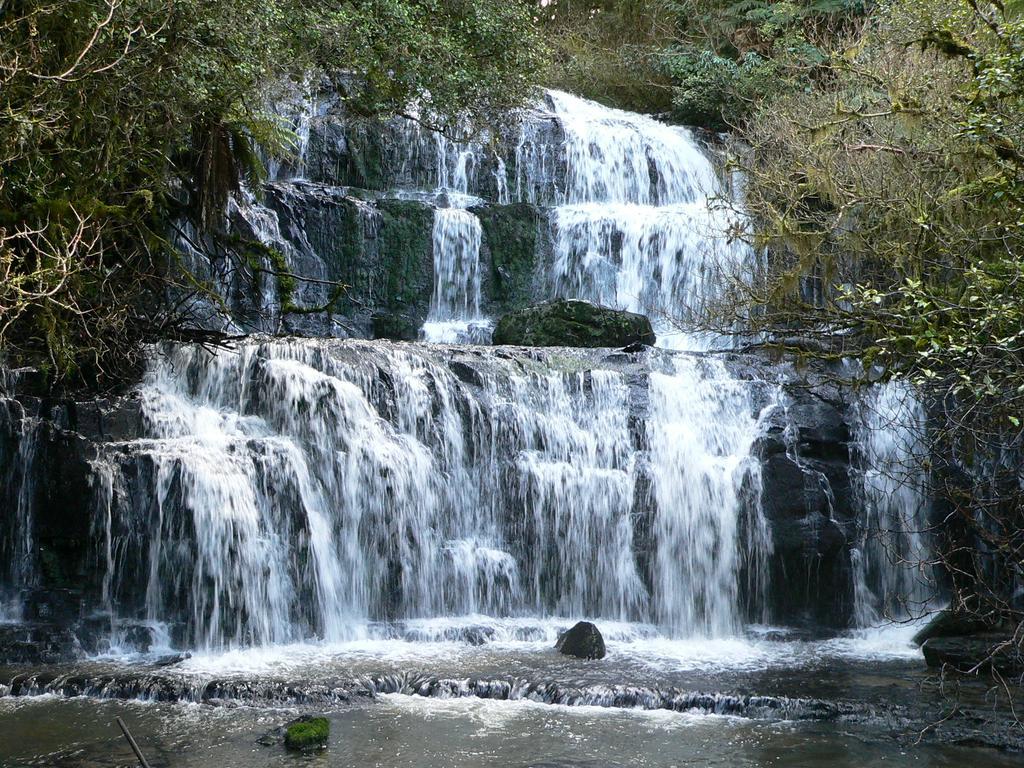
456, 241
455, 305
293, 489
704, 426
892, 568
639, 216
17, 543
639, 223
302, 489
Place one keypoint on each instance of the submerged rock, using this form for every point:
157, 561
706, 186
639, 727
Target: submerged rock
583, 641
573, 323
170, 659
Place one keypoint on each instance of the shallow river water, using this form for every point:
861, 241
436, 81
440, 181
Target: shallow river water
862, 700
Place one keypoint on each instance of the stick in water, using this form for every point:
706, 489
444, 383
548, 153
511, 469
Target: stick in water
132, 744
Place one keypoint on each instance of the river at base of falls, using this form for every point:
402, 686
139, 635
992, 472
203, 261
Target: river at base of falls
763, 698
403, 732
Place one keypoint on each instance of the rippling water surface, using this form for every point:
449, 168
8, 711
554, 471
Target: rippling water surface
430, 697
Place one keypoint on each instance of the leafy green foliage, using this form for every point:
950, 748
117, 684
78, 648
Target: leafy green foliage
705, 62
896, 179
611, 50
121, 114
715, 91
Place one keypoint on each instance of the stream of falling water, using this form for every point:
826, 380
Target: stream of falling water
641, 219
455, 304
295, 490
892, 572
457, 236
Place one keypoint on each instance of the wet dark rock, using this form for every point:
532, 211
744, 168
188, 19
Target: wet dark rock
948, 623
38, 644
572, 323
395, 327
170, 659
983, 651
510, 248
466, 373
381, 251
58, 606
584, 641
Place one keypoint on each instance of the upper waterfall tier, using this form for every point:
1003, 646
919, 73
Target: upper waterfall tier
602, 155
436, 236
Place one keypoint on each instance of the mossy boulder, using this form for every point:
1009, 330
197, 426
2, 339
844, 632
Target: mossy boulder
405, 281
307, 734
573, 323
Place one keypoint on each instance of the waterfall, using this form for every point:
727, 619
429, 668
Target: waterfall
300, 489
636, 215
640, 219
18, 567
892, 570
294, 489
455, 304
704, 426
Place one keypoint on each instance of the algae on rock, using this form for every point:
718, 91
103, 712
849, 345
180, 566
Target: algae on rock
307, 734
510, 242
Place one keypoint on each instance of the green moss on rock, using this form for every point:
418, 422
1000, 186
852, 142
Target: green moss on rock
510, 233
406, 277
366, 163
397, 327
573, 323
307, 734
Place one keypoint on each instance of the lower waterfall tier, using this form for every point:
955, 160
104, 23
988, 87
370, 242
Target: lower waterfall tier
287, 490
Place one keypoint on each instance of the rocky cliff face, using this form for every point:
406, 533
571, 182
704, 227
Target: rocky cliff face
340, 242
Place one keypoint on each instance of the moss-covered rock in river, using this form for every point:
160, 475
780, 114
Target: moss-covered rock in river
307, 734
510, 234
572, 323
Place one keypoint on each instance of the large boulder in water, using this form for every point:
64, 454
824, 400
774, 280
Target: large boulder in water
947, 623
583, 641
303, 734
572, 323
979, 651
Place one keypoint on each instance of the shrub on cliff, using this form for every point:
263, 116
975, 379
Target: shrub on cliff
895, 185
